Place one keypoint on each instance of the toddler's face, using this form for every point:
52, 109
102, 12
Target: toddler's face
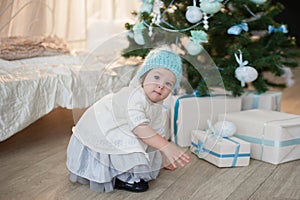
158, 84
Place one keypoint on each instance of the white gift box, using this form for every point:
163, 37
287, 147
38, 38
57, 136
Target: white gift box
166, 115
191, 113
274, 136
224, 152
166, 121
269, 100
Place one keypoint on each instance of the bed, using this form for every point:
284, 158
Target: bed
39, 71
32, 87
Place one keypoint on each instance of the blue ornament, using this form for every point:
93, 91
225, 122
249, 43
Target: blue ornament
237, 29
272, 29
199, 36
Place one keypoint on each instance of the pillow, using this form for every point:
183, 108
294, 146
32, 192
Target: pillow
20, 47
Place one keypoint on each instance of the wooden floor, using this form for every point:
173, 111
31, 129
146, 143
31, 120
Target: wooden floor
32, 166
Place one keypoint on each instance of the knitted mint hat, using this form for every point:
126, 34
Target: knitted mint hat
163, 59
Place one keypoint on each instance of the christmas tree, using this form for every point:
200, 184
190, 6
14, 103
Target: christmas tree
241, 36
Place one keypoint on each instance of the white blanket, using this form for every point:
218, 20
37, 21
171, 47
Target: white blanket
31, 88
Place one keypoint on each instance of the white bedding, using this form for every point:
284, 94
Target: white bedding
31, 88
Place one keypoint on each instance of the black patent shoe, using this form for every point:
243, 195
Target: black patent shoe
141, 186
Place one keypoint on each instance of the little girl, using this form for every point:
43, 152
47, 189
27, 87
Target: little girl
118, 142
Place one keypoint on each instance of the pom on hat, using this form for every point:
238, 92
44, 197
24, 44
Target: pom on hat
161, 58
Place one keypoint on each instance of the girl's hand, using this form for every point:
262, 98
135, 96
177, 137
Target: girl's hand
173, 154
166, 164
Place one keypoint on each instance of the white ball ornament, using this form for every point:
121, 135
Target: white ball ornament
210, 7
225, 128
246, 74
194, 48
258, 1
139, 39
193, 14
138, 33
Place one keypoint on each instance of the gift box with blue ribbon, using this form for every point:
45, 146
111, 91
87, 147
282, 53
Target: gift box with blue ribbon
274, 136
220, 151
191, 112
269, 100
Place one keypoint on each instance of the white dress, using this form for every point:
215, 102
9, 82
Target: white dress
103, 146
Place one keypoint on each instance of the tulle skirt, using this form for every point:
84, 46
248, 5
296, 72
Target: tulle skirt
100, 170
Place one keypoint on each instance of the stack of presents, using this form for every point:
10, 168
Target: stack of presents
249, 126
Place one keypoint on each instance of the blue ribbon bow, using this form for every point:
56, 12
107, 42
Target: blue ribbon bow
199, 36
200, 150
237, 29
272, 29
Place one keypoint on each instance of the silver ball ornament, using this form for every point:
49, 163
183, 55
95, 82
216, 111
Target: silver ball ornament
258, 1
139, 39
193, 14
225, 128
246, 74
210, 7
194, 48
